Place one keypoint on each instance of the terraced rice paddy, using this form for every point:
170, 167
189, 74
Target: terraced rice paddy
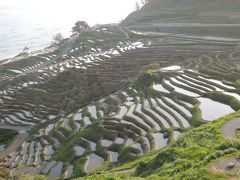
74, 129
138, 128
47, 68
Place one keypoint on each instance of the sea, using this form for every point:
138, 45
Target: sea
34, 23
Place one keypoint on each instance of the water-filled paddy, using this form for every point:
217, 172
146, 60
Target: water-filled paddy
93, 162
79, 151
212, 110
159, 140
181, 90
171, 68
159, 87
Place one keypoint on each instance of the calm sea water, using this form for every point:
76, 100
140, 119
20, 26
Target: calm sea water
33, 24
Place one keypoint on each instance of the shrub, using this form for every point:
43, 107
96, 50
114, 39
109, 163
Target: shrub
145, 79
229, 151
229, 144
212, 156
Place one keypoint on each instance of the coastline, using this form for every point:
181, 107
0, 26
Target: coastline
24, 55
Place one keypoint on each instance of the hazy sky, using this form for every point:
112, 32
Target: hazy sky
92, 11
34, 23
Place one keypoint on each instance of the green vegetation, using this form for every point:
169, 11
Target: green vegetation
187, 158
146, 78
6, 135
79, 27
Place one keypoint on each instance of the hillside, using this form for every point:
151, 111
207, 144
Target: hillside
156, 5
129, 101
213, 18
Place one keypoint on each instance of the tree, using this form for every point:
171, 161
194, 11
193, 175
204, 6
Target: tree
137, 6
145, 79
25, 49
145, 2
80, 26
58, 38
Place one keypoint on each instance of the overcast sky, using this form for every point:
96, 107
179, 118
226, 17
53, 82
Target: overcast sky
92, 11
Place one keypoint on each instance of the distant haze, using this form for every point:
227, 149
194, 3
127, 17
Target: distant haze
33, 23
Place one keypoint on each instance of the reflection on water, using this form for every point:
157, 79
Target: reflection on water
79, 150
181, 90
93, 162
171, 68
159, 140
159, 87
113, 156
212, 110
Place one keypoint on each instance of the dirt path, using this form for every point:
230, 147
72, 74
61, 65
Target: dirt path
124, 32
229, 129
223, 166
228, 164
66, 49
129, 170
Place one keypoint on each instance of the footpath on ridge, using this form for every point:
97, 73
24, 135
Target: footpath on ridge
230, 128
